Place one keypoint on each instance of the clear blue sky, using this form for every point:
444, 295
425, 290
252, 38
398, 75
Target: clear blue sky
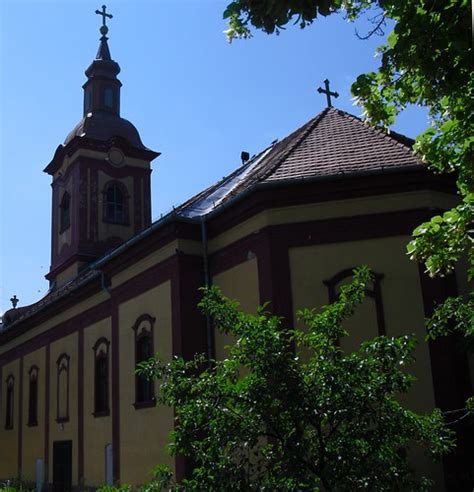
193, 97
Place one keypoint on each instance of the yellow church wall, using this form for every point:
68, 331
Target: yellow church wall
143, 432
97, 430
144, 263
9, 437
67, 274
33, 437
332, 209
186, 246
64, 431
241, 283
402, 304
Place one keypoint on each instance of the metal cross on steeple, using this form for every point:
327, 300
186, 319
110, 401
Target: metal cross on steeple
104, 14
327, 92
14, 300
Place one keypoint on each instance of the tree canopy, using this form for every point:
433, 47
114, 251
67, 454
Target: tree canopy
289, 410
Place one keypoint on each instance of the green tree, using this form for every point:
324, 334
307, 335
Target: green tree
426, 61
270, 418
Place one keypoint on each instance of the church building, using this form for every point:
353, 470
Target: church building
287, 226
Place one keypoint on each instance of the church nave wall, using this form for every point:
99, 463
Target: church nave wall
63, 404
33, 432
401, 300
97, 429
144, 429
239, 282
9, 441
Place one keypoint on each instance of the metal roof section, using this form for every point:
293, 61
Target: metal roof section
208, 203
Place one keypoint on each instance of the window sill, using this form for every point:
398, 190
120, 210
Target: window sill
104, 413
145, 404
62, 420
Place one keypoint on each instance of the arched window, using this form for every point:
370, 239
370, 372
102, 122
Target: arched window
115, 203
9, 401
101, 377
62, 408
65, 212
33, 397
374, 293
144, 388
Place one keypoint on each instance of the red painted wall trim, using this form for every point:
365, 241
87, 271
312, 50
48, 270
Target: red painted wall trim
188, 324
115, 392
274, 275
46, 412
94, 204
80, 406
451, 382
20, 422
1, 394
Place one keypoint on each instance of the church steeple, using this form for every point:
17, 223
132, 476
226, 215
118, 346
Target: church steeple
101, 175
102, 89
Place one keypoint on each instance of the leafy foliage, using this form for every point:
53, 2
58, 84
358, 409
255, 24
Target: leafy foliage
15, 485
113, 488
289, 410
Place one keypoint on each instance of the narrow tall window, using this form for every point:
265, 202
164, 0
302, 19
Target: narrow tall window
65, 212
87, 101
62, 381
115, 203
33, 397
108, 97
9, 402
144, 388
101, 377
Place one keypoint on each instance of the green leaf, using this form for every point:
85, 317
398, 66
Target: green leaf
392, 39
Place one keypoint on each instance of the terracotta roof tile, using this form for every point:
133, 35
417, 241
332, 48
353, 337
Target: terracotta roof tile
332, 143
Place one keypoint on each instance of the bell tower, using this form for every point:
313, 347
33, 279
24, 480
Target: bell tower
101, 175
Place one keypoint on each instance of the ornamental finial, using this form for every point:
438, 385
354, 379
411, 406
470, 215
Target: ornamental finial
103, 28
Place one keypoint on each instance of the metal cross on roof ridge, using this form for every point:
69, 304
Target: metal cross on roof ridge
327, 92
104, 15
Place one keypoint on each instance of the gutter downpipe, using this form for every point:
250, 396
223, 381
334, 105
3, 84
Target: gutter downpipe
103, 283
207, 283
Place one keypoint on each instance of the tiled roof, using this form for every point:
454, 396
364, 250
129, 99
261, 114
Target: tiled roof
332, 143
